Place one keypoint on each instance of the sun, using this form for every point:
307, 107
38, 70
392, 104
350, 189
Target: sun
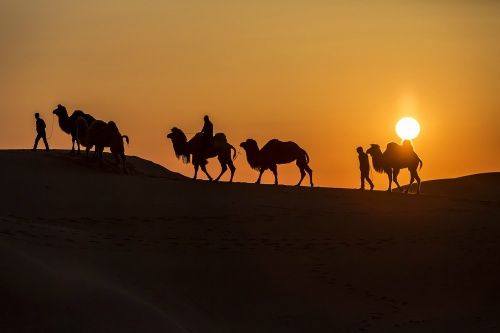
407, 128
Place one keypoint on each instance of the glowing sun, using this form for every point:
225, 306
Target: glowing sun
407, 128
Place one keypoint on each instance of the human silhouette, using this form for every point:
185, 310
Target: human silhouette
207, 131
406, 148
364, 168
40, 132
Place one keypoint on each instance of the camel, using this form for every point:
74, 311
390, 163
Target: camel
276, 152
394, 158
219, 148
101, 135
68, 123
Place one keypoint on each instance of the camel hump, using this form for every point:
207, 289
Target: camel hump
274, 144
96, 124
392, 146
81, 122
288, 144
112, 125
220, 138
79, 113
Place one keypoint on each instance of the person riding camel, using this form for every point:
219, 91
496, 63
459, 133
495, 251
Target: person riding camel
407, 150
207, 132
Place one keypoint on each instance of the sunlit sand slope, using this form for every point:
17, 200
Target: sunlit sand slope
484, 186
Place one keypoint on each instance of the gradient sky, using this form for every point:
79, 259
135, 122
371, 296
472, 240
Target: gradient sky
330, 75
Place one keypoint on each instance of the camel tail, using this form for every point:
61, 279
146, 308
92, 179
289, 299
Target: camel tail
126, 139
234, 151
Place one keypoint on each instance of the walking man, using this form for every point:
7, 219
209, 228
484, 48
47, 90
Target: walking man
40, 132
364, 167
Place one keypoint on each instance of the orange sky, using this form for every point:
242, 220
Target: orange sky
330, 75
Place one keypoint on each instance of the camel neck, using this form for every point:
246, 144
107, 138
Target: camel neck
180, 146
377, 160
252, 156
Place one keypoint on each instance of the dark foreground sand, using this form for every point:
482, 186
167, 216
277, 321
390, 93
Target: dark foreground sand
90, 250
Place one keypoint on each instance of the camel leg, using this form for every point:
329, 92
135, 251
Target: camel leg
72, 145
87, 149
395, 174
204, 169
232, 169
260, 175
224, 168
310, 172
301, 165
223, 165
124, 162
302, 175
274, 170
417, 177
96, 151
78, 145
100, 157
389, 175
412, 179
196, 166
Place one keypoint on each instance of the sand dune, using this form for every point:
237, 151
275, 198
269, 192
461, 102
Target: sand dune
484, 186
86, 249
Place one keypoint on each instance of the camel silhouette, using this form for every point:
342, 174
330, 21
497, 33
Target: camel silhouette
393, 159
196, 146
68, 123
276, 152
101, 135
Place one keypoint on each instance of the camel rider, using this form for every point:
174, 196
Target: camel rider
207, 131
407, 150
407, 145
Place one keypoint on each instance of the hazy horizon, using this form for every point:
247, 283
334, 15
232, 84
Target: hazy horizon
330, 76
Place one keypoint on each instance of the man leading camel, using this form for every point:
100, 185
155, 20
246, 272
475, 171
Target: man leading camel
40, 132
364, 168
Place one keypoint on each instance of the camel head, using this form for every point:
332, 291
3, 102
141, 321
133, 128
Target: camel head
177, 134
252, 149
376, 154
249, 145
374, 150
60, 111
179, 141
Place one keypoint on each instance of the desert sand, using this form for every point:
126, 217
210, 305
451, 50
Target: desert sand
88, 249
